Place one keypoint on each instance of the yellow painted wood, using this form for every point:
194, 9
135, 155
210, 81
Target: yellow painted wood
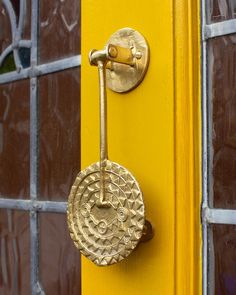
143, 137
187, 146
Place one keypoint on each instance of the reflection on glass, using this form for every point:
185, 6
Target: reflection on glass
8, 64
14, 140
222, 81
5, 35
59, 29
59, 133
224, 255
220, 10
59, 259
16, 6
14, 253
21, 57
24, 54
26, 34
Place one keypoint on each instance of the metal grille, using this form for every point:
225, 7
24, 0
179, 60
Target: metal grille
33, 72
210, 215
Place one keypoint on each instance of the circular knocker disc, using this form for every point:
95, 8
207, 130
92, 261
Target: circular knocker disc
106, 235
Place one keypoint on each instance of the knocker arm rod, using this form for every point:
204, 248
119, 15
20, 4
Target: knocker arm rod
103, 131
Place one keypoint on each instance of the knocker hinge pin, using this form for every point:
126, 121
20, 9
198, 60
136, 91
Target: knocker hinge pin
113, 53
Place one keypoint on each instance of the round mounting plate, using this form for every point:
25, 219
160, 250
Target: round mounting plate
121, 77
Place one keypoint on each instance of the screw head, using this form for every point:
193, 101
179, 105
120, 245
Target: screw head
112, 51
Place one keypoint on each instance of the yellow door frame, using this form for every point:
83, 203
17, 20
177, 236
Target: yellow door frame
154, 131
188, 146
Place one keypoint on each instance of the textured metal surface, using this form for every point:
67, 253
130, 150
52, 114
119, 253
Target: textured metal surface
123, 78
105, 206
106, 234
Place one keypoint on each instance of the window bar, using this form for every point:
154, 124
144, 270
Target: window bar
39, 70
219, 29
34, 153
33, 205
220, 216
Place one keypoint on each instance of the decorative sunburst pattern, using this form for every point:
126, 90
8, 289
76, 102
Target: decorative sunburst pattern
106, 235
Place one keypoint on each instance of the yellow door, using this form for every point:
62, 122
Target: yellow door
152, 131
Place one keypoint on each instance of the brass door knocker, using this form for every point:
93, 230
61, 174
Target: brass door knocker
106, 214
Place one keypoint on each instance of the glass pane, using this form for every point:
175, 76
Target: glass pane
59, 133
5, 35
7, 64
221, 10
59, 29
26, 19
59, 259
14, 252
224, 254
16, 7
14, 140
26, 33
222, 91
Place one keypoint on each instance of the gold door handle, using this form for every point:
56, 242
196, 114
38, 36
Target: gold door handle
106, 214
